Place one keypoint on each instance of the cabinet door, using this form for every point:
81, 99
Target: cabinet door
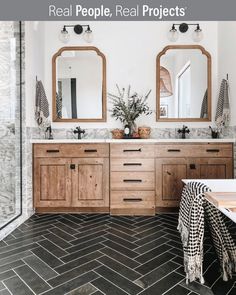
52, 182
215, 168
90, 182
169, 172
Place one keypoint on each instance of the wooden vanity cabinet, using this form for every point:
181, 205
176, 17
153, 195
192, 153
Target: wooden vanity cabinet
71, 177
189, 161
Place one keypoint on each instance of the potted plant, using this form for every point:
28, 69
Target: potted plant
128, 107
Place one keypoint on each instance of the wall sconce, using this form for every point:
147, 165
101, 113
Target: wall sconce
173, 34
78, 29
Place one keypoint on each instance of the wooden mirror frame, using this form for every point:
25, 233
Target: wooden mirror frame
209, 84
54, 78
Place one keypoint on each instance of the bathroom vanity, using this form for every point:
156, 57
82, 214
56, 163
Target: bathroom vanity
134, 177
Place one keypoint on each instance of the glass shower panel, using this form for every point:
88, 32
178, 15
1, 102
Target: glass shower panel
10, 121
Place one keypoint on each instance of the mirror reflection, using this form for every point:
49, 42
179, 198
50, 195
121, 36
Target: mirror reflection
79, 86
183, 84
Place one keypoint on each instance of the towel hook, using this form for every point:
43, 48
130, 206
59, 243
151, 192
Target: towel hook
227, 77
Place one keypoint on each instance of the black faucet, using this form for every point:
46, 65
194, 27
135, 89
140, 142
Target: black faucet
184, 130
79, 131
48, 133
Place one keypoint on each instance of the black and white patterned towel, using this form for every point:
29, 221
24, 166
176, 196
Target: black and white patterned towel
193, 208
41, 105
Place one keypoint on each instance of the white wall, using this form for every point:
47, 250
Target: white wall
227, 60
130, 49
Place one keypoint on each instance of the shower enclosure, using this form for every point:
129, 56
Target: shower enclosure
10, 121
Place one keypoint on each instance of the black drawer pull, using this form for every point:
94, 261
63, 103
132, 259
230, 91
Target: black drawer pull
137, 150
132, 164
53, 151
132, 180
213, 150
90, 151
132, 199
173, 150
72, 166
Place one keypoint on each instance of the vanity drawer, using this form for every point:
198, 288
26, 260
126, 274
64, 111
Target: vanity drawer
132, 203
194, 150
132, 181
131, 150
71, 150
132, 164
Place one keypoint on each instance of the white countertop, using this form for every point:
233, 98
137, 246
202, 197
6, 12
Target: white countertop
151, 140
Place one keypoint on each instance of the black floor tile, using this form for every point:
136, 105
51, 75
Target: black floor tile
62, 234
107, 287
120, 281
119, 268
52, 248
177, 290
198, 288
47, 257
154, 263
97, 254
82, 252
86, 289
120, 257
57, 240
149, 246
17, 286
75, 272
153, 253
40, 267
32, 280
164, 284
73, 284
156, 274
77, 262
85, 244
11, 265
14, 258
89, 237
121, 249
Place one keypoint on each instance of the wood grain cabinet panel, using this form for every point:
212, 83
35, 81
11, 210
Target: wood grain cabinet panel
169, 173
90, 180
52, 185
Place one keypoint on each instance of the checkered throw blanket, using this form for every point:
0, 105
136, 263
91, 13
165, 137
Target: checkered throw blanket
193, 208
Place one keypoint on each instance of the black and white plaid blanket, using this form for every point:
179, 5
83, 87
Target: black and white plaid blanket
193, 208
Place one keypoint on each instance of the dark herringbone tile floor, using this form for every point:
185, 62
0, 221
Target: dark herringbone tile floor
99, 254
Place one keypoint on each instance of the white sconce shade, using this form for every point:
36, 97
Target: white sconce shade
64, 36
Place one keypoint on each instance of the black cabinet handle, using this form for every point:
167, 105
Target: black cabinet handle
53, 151
132, 199
192, 166
173, 150
213, 150
90, 151
132, 180
132, 150
132, 164
72, 166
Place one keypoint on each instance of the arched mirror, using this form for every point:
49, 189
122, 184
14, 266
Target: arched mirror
79, 85
183, 83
